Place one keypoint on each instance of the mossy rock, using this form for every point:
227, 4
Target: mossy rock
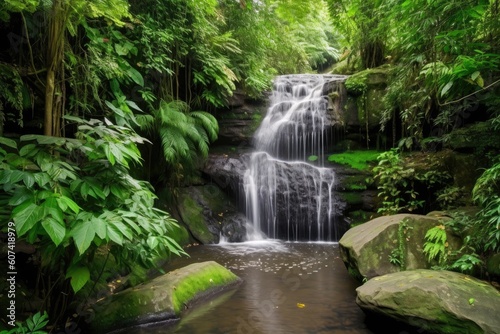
358, 159
366, 90
192, 214
360, 82
351, 198
367, 249
163, 298
435, 301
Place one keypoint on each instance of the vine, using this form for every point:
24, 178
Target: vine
398, 255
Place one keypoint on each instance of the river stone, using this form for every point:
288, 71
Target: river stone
367, 248
435, 301
163, 298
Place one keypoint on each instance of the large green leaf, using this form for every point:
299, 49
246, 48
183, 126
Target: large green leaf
79, 277
136, 76
65, 202
55, 229
21, 195
83, 234
99, 227
114, 234
26, 216
8, 142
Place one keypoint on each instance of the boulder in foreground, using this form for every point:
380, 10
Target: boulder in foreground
435, 301
163, 298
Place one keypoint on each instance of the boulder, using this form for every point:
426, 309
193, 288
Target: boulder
163, 298
434, 301
375, 247
208, 213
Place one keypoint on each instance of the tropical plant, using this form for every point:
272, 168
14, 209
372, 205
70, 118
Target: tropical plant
486, 193
182, 135
35, 324
395, 184
69, 197
436, 244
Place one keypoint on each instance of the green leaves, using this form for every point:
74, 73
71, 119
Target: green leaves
26, 216
83, 198
83, 235
79, 277
55, 229
435, 246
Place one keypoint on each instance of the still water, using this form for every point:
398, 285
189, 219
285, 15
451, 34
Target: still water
288, 287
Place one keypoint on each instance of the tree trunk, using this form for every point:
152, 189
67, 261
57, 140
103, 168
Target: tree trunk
54, 90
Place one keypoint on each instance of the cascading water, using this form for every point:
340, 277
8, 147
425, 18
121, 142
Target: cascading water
287, 197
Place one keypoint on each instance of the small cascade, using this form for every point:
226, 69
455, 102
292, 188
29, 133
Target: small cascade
288, 197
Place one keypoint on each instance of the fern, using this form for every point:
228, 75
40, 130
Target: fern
435, 244
183, 135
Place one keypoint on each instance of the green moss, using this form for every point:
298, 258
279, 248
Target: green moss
165, 296
358, 83
355, 183
351, 198
360, 160
190, 287
193, 216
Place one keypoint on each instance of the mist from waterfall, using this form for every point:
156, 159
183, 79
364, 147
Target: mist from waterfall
289, 194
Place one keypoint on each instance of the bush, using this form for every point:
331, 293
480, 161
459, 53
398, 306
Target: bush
70, 196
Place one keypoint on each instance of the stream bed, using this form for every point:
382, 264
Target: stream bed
288, 287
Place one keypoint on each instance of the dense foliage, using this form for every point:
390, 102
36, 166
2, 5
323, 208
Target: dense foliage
93, 92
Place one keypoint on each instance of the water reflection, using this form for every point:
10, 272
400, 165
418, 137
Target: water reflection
287, 288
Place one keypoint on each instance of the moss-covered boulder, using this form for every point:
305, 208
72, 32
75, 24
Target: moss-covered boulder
390, 244
436, 301
208, 213
163, 298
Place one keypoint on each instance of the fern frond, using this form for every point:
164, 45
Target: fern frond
146, 122
208, 122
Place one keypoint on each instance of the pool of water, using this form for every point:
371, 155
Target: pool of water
287, 288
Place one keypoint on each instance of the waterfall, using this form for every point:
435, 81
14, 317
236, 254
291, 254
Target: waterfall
289, 194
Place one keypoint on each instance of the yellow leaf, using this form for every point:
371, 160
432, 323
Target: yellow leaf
300, 305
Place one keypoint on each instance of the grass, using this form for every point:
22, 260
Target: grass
359, 160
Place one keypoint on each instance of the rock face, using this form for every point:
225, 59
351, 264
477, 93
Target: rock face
436, 301
364, 107
208, 213
163, 298
240, 119
226, 171
367, 249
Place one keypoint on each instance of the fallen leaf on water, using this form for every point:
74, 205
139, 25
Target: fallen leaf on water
300, 305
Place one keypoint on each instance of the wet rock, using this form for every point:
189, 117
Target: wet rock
207, 212
163, 298
434, 301
226, 171
239, 120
